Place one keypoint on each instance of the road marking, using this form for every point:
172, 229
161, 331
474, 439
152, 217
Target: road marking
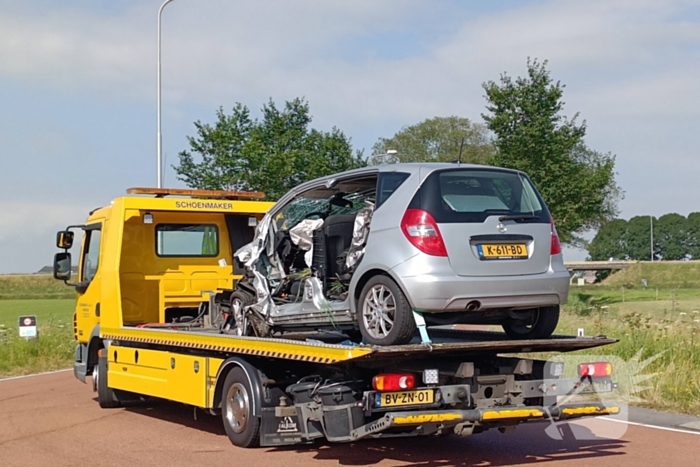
35, 374
676, 430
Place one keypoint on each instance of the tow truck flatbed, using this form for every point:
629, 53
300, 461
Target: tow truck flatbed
452, 342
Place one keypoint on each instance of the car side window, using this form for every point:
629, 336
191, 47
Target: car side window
387, 184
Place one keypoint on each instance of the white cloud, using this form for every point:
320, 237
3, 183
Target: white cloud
27, 232
218, 52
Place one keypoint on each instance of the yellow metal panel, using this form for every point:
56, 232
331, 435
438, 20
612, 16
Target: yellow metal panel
187, 379
591, 410
168, 375
427, 418
214, 365
149, 377
274, 348
197, 205
514, 413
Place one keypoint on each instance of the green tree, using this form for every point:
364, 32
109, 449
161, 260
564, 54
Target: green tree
270, 155
439, 139
577, 183
671, 234
639, 239
610, 241
694, 235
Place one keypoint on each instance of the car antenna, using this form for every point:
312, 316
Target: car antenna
459, 158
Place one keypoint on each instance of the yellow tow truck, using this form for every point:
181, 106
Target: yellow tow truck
155, 271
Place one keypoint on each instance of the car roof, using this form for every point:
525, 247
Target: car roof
410, 167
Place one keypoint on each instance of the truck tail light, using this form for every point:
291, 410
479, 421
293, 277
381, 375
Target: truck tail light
393, 382
595, 370
556, 245
422, 231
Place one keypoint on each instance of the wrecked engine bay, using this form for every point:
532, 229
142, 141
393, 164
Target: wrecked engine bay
299, 265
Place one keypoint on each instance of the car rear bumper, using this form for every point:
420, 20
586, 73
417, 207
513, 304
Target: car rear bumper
446, 292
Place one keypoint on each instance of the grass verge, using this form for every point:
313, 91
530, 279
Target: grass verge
39, 286
668, 330
53, 350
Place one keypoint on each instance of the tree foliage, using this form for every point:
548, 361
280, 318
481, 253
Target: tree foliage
577, 183
439, 139
675, 238
270, 155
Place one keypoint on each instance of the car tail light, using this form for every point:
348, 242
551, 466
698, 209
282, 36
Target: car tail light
422, 231
393, 382
556, 246
594, 370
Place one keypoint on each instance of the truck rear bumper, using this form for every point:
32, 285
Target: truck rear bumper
490, 418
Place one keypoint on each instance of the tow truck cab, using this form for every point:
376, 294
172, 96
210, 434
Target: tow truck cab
152, 258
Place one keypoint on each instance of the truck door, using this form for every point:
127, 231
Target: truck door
88, 288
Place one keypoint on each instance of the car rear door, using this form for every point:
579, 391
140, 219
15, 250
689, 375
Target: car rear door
492, 221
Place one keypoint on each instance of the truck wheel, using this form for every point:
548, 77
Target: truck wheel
385, 316
242, 427
544, 322
106, 397
239, 300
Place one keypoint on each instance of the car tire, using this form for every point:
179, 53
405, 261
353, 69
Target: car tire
546, 321
375, 312
241, 298
242, 427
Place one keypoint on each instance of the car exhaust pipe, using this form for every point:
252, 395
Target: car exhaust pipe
473, 305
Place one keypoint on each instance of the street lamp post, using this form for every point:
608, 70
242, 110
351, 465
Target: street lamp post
160, 138
651, 225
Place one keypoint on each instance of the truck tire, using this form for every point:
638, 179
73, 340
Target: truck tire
106, 397
545, 322
384, 315
242, 427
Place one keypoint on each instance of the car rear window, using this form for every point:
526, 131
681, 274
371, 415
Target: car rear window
472, 195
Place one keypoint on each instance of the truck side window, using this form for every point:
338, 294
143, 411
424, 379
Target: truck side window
187, 240
91, 255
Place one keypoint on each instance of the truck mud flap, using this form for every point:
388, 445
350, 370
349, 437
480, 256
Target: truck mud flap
484, 417
281, 430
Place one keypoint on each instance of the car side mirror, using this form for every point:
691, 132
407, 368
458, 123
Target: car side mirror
64, 239
62, 266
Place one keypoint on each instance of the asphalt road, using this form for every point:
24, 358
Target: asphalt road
54, 420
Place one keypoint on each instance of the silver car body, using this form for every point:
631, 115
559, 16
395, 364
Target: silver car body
457, 287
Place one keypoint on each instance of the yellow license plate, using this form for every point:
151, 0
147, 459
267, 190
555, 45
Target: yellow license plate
502, 251
394, 399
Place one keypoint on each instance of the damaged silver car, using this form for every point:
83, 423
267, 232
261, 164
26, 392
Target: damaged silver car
373, 251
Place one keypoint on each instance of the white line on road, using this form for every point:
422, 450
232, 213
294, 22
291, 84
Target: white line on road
35, 374
677, 430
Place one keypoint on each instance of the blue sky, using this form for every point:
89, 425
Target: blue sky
78, 87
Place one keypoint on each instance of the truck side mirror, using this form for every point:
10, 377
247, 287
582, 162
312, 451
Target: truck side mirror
64, 239
62, 266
